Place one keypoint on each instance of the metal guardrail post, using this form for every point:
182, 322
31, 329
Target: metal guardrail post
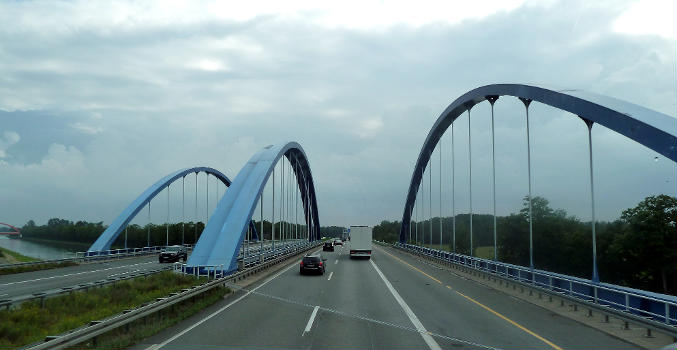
627, 302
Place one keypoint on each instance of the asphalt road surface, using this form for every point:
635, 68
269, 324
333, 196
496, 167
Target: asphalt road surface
27, 283
393, 301
19, 284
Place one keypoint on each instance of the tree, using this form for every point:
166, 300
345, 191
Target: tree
649, 243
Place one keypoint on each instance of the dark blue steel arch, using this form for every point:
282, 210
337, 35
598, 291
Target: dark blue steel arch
652, 129
221, 239
113, 231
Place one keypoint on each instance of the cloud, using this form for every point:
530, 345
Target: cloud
648, 17
8, 139
87, 129
126, 92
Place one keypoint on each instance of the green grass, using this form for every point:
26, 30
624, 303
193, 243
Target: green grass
47, 266
30, 323
486, 252
12, 255
123, 337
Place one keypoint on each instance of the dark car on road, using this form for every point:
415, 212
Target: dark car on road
312, 263
328, 247
173, 253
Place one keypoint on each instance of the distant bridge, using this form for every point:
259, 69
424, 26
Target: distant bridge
16, 231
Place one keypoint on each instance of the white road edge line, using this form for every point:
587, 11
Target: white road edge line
330, 274
158, 346
75, 274
309, 325
432, 344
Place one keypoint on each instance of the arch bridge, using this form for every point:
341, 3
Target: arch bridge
14, 233
649, 128
232, 224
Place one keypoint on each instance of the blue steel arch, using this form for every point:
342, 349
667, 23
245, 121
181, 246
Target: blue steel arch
113, 231
221, 239
652, 129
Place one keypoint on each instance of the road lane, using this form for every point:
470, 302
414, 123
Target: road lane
447, 310
355, 309
40, 281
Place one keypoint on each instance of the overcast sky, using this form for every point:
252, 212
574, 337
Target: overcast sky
98, 99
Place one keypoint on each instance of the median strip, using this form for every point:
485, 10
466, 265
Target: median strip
32, 322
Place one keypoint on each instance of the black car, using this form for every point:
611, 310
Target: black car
313, 263
328, 247
173, 253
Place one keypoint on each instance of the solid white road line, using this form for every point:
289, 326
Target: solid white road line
75, 274
309, 325
432, 344
158, 346
330, 274
336, 262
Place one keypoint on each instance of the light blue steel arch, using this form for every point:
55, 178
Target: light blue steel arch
220, 241
652, 129
113, 231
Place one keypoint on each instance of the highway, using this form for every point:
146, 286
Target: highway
26, 283
392, 301
19, 284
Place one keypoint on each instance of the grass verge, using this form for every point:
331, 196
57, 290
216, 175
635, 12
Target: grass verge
29, 268
138, 330
30, 323
12, 256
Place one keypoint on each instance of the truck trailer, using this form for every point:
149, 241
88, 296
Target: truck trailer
360, 242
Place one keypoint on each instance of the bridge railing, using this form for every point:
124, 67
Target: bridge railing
643, 304
247, 260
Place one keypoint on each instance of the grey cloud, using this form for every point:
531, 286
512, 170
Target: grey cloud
360, 102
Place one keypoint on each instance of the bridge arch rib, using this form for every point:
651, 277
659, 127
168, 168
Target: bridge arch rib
113, 231
16, 229
224, 233
652, 129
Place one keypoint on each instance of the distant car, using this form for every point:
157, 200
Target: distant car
328, 247
338, 242
173, 253
312, 263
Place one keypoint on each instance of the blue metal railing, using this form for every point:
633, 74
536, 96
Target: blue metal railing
252, 258
657, 307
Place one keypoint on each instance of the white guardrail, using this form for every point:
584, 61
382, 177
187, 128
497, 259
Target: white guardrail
96, 328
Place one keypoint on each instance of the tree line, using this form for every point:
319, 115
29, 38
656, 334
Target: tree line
82, 232
638, 250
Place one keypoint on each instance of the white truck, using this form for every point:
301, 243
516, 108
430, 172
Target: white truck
360, 242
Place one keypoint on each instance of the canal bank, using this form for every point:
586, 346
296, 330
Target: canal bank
11, 257
38, 249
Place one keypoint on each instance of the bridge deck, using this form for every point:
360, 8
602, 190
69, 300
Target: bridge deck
355, 309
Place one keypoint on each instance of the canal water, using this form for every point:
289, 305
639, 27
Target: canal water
35, 249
